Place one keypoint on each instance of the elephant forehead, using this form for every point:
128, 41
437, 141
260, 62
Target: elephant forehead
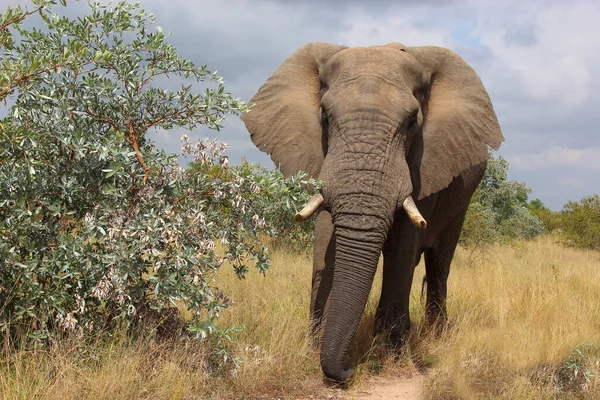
390, 64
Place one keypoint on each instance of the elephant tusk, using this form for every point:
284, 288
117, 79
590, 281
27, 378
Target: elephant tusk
310, 208
413, 213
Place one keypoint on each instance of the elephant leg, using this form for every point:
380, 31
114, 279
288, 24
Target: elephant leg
437, 267
323, 265
399, 259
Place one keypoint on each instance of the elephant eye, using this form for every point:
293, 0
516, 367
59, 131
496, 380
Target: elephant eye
323, 116
412, 122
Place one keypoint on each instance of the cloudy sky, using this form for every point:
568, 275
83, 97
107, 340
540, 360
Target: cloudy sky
539, 61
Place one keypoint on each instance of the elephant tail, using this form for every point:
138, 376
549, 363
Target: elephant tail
423, 286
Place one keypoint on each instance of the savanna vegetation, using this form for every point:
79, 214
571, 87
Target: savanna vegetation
125, 273
523, 325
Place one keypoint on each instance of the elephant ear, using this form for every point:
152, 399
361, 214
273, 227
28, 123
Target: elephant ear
285, 118
459, 122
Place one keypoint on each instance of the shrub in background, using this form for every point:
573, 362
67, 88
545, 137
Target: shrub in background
499, 210
550, 219
580, 223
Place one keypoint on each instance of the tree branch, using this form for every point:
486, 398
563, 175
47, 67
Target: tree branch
134, 143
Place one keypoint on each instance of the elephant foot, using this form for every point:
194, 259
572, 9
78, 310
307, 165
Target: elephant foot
395, 335
397, 341
436, 320
436, 315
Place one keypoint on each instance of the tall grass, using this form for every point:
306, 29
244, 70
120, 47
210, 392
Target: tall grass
524, 322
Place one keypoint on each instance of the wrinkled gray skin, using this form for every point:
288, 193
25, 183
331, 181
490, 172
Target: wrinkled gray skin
377, 124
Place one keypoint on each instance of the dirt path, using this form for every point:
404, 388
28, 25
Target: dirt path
406, 386
396, 388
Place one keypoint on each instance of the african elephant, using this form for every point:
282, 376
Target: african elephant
380, 126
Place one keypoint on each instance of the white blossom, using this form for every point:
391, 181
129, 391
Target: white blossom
207, 245
88, 218
131, 310
80, 304
67, 322
257, 221
224, 162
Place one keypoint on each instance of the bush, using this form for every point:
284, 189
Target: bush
521, 224
479, 228
279, 202
550, 219
581, 223
499, 210
97, 225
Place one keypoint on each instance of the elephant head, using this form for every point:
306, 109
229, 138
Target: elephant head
378, 125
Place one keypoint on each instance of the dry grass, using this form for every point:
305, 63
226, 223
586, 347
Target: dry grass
517, 319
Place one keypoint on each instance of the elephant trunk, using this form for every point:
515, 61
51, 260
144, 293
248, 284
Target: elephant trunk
356, 259
362, 190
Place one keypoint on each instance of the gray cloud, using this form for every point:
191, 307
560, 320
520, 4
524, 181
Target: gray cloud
520, 35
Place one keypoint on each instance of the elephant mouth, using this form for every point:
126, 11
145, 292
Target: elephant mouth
317, 201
